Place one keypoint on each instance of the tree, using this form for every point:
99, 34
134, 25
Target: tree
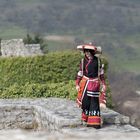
38, 39
28, 39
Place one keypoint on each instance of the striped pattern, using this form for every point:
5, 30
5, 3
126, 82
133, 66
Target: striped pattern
94, 120
93, 94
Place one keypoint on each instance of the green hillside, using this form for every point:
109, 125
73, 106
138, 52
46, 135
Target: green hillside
113, 24
68, 17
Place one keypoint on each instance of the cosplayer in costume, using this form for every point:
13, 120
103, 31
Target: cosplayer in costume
91, 87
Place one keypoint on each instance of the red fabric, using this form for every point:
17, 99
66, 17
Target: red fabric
94, 120
87, 65
102, 98
84, 117
77, 82
93, 85
82, 87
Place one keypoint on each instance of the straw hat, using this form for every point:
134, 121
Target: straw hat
97, 49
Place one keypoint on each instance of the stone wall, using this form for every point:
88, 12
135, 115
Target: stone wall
16, 47
48, 114
55, 118
12, 116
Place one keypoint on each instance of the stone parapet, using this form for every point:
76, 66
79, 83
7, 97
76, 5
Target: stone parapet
54, 118
50, 113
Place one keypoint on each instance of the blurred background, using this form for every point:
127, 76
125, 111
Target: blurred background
112, 24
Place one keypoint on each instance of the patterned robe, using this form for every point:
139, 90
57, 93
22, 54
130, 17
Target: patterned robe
90, 78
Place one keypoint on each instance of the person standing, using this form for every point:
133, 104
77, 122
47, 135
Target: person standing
91, 87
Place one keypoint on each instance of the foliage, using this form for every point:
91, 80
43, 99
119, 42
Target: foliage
53, 67
29, 40
36, 40
27, 90
41, 76
61, 90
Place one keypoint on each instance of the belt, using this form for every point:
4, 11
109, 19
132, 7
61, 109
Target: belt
90, 79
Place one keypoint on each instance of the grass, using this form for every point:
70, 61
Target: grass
59, 46
29, 4
132, 66
24, 2
12, 32
133, 40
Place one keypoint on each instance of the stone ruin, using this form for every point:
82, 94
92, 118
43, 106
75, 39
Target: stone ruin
16, 47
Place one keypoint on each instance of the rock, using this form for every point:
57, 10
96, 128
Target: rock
55, 118
16, 47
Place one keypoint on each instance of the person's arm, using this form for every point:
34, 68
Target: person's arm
103, 88
78, 79
79, 75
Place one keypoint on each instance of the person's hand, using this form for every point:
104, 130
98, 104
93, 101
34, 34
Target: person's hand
102, 106
77, 88
102, 100
79, 104
103, 88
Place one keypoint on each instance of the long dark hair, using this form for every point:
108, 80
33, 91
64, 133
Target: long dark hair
91, 51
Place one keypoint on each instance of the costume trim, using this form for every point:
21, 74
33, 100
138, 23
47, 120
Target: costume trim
94, 120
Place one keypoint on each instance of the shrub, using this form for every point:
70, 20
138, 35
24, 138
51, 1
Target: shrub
27, 90
42, 76
53, 67
63, 90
